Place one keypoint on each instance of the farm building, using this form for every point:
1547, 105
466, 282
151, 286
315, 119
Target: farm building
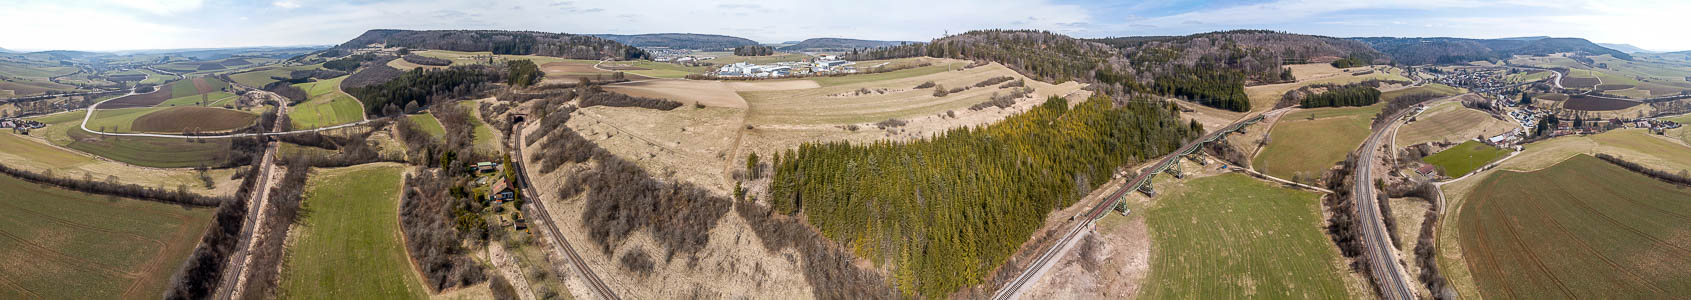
486, 166
501, 192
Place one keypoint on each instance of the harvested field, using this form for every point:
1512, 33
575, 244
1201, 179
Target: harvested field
208, 100
1450, 122
1464, 158
1583, 228
1263, 97
139, 100
1232, 236
1579, 102
195, 119
1613, 87
1631, 144
771, 85
572, 71
62, 244
689, 92
348, 246
826, 105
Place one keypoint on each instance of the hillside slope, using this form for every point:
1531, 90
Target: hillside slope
692, 41
1419, 51
500, 42
841, 44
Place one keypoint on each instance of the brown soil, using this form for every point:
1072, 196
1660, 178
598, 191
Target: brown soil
183, 119
139, 100
201, 85
709, 93
1598, 104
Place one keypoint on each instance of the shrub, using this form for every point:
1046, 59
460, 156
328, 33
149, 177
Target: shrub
425, 60
924, 85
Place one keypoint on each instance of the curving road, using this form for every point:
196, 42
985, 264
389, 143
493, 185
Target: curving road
90, 115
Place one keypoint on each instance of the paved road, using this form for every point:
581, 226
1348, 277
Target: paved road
536, 210
90, 115
1034, 271
1394, 283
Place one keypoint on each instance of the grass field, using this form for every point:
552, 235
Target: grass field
483, 134
1450, 122
63, 130
429, 124
328, 106
62, 244
1465, 157
1581, 229
349, 245
117, 120
1436, 89
1301, 149
1232, 236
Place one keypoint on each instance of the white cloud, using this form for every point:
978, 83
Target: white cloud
286, 4
158, 7
192, 23
83, 30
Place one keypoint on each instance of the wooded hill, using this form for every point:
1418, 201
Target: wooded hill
1420, 51
841, 44
692, 41
501, 42
1211, 68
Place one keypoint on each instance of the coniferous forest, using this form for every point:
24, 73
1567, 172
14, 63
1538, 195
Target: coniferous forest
1353, 95
947, 210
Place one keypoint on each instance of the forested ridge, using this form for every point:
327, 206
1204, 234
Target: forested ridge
1420, 51
1210, 69
501, 42
680, 40
947, 210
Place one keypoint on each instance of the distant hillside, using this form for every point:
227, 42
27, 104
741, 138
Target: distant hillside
680, 40
500, 42
840, 44
1419, 51
1625, 48
4, 50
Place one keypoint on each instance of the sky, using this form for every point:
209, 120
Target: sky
106, 25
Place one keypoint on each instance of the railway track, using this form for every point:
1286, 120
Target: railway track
1382, 256
536, 210
1013, 289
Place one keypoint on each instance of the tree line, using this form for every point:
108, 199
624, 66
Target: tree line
754, 50
1350, 95
502, 43
948, 209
